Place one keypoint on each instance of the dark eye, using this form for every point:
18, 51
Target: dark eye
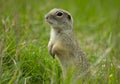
59, 14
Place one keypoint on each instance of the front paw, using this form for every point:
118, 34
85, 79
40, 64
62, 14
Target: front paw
51, 51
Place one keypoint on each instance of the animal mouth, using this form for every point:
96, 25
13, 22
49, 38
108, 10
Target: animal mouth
49, 22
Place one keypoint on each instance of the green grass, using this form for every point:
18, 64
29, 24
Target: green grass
24, 35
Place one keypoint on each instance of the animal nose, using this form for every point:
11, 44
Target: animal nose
46, 16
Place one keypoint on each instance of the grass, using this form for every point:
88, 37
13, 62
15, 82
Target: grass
24, 58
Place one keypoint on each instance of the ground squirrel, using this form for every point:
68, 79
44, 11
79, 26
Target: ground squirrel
63, 42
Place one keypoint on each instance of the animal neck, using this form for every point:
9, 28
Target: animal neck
63, 29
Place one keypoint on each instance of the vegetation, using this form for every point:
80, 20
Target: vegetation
24, 35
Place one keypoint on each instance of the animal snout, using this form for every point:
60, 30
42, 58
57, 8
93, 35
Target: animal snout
46, 16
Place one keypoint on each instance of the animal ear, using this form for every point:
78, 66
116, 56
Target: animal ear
69, 17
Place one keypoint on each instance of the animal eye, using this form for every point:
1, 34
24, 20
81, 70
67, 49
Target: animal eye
59, 14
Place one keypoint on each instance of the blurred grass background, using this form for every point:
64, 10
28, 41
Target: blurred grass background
24, 35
